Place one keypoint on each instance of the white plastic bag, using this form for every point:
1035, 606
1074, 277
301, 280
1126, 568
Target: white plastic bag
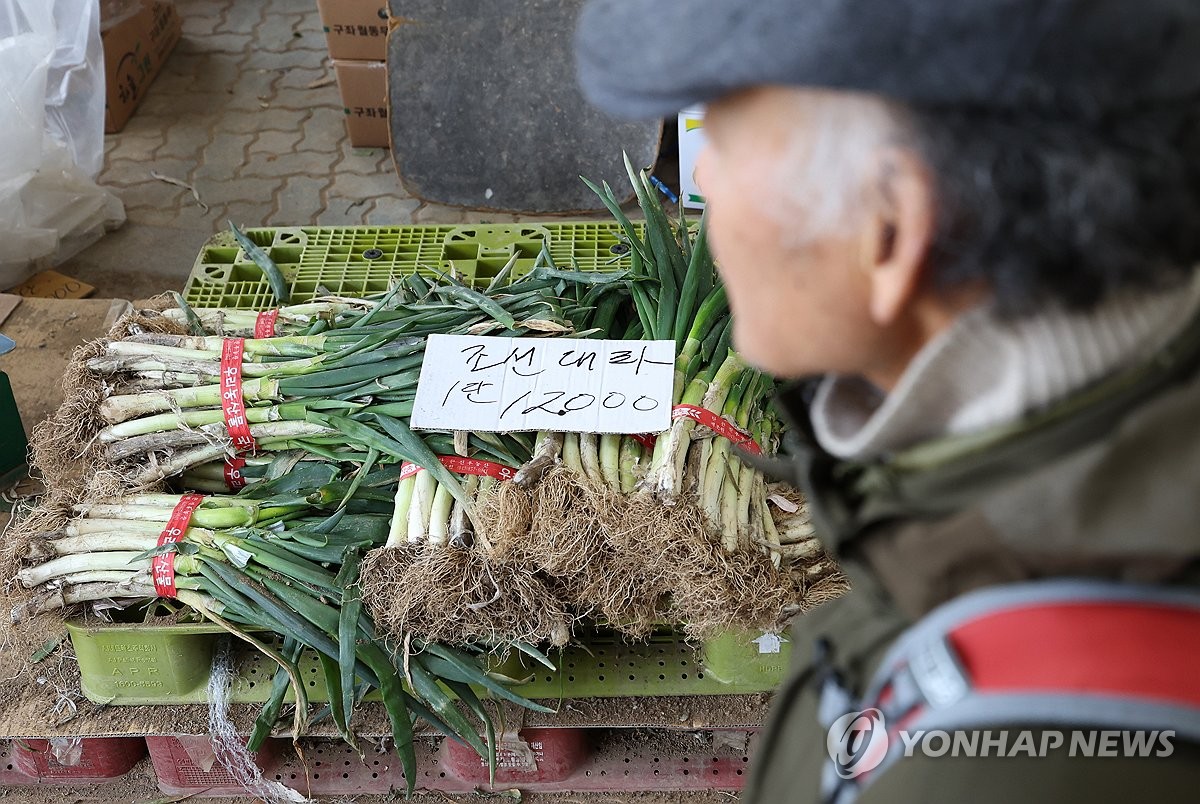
52, 137
67, 751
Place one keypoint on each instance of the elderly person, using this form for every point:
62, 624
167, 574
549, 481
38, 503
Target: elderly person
970, 228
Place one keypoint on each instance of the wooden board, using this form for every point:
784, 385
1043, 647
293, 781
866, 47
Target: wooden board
31, 715
485, 112
8, 303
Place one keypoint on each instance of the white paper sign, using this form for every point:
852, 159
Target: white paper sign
559, 384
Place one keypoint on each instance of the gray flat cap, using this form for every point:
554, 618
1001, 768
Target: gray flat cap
651, 58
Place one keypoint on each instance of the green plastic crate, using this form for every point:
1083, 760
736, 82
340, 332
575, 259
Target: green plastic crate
358, 260
162, 664
749, 658
132, 664
666, 664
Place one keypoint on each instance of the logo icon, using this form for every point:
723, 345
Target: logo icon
857, 742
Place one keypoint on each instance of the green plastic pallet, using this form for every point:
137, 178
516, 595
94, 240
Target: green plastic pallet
133, 664
358, 260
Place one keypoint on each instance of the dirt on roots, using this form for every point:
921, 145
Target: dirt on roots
458, 596
568, 548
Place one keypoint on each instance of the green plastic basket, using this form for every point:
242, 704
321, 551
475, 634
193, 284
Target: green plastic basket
133, 664
358, 260
748, 658
144, 663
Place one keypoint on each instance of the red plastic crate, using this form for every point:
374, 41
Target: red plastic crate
101, 759
531, 755
333, 767
187, 764
553, 760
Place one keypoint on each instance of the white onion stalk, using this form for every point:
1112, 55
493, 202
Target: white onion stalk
571, 457
194, 418
666, 482
796, 529
85, 562
282, 346
164, 500
629, 460
95, 542
546, 453
730, 537
801, 550
439, 516
232, 322
182, 460
81, 527
128, 355
64, 596
749, 482
589, 456
421, 507
398, 532
610, 460
770, 534
203, 517
105, 576
117, 409
461, 535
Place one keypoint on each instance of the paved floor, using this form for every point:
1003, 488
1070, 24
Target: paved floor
246, 111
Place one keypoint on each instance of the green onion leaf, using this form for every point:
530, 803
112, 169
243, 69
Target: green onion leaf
260, 258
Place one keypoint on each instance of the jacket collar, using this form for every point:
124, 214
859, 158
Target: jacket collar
945, 475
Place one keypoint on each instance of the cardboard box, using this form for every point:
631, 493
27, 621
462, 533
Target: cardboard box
135, 49
691, 141
51, 284
363, 85
355, 29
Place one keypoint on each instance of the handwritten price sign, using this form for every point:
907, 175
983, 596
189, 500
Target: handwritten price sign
562, 384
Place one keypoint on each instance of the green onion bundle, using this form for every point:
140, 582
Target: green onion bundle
342, 387
675, 295
283, 566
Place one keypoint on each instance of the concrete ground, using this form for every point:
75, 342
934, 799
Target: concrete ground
247, 112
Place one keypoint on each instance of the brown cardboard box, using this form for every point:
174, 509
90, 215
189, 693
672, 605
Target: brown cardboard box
355, 29
363, 85
135, 49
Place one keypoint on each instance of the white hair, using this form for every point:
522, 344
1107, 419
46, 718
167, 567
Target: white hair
830, 166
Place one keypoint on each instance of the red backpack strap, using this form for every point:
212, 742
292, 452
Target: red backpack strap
1070, 653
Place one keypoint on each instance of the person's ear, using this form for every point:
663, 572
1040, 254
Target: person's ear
898, 234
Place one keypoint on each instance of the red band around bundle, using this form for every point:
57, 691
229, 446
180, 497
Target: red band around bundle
645, 439
264, 325
718, 425
464, 466
235, 480
232, 405
162, 567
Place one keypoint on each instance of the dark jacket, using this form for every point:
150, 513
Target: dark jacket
1104, 485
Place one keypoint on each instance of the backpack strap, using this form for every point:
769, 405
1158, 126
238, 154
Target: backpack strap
1064, 652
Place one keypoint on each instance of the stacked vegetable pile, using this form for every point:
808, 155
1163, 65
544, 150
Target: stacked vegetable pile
324, 411
261, 565
640, 530
378, 547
